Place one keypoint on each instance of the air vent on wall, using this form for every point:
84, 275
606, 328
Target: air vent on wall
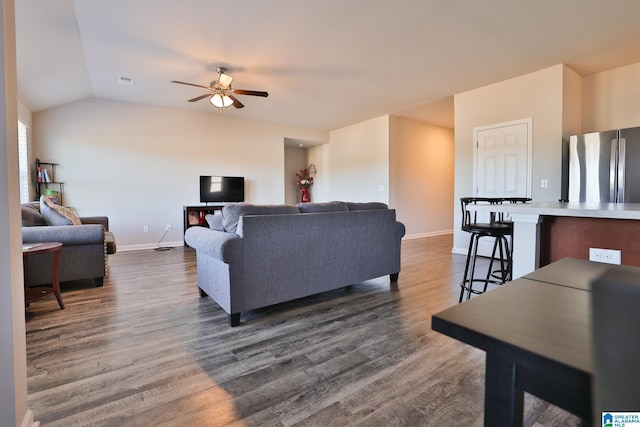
126, 80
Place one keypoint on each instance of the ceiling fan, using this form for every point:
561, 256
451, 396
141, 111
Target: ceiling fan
221, 94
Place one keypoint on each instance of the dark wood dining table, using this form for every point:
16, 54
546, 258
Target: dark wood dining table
536, 332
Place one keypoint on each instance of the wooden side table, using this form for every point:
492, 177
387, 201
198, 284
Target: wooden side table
36, 293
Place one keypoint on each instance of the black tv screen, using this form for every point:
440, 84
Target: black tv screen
221, 189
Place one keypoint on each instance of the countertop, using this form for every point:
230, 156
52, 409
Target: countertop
591, 210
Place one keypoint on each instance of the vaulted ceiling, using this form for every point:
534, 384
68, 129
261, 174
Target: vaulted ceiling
325, 64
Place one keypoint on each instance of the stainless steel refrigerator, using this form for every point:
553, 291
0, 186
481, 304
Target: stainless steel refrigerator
604, 167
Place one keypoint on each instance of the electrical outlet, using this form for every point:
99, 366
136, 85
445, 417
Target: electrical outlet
145, 228
168, 227
609, 256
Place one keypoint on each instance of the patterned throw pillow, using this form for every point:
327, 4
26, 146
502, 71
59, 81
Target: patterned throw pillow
57, 215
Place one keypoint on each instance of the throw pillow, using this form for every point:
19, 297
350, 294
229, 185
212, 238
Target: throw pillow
57, 215
215, 220
231, 213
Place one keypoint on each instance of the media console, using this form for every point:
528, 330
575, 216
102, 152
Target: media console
194, 216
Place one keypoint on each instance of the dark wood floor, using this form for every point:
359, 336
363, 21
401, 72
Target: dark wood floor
146, 350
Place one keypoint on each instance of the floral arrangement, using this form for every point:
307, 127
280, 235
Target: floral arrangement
304, 178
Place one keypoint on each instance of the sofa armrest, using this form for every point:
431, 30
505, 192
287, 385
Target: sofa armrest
104, 220
66, 234
400, 230
221, 245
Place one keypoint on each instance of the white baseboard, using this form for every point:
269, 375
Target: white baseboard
430, 234
459, 251
147, 246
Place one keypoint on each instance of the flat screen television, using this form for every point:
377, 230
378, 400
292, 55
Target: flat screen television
221, 189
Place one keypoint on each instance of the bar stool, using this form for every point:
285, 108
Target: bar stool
513, 200
496, 228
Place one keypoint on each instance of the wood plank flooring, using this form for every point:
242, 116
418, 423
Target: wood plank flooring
146, 350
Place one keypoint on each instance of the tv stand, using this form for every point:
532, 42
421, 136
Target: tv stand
194, 216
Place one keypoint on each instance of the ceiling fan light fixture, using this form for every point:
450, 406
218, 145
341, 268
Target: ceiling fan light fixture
219, 100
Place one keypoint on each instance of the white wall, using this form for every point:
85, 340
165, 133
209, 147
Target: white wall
359, 162
319, 156
422, 172
140, 164
611, 99
537, 95
403, 162
571, 103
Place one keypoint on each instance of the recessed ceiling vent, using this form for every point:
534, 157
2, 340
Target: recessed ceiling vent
126, 80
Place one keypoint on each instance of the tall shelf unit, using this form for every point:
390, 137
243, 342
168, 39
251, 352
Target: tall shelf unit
46, 180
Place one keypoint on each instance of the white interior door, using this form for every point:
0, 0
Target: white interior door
502, 164
502, 160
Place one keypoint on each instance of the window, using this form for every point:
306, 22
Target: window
23, 162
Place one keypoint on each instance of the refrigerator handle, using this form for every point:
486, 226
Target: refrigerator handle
621, 171
613, 172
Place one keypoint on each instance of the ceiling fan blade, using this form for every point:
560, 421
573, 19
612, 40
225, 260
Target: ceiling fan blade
198, 98
236, 103
250, 92
190, 84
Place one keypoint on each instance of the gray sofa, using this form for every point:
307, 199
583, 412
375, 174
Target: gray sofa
84, 247
253, 256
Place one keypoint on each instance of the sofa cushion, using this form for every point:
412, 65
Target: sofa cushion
31, 217
366, 206
231, 213
57, 215
322, 207
215, 220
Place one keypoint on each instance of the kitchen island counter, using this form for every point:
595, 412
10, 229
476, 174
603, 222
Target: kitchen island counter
529, 241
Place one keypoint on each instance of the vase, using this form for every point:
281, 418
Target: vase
306, 197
